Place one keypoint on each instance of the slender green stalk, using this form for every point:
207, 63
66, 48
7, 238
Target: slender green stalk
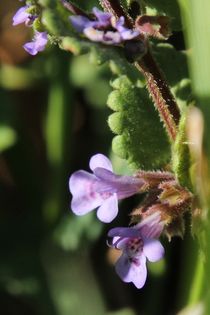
196, 289
58, 132
195, 15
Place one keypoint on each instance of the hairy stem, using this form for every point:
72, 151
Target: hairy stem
196, 288
160, 93
156, 83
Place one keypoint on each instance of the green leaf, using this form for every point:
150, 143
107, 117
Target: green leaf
16, 78
53, 22
72, 282
7, 137
140, 138
73, 230
125, 311
86, 5
93, 79
170, 60
100, 54
180, 157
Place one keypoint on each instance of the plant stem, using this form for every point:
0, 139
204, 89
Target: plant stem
156, 83
197, 284
160, 93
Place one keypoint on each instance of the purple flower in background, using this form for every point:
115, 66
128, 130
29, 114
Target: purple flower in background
103, 20
109, 38
22, 16
138, 244
38, 44
101, 189
105, 29
125, 33
80, 22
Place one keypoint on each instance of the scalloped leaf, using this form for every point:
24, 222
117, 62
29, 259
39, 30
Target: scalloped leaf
134, 111
140, 138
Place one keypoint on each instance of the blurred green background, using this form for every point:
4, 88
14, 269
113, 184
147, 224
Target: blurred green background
53, 118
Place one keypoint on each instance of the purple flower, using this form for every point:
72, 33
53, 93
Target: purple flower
80, 22
105, 28
101, 189
125, 33
103, 18
22, 16
109, 38
138, 244
38, 44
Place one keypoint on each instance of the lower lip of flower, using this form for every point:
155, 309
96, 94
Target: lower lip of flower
134, 261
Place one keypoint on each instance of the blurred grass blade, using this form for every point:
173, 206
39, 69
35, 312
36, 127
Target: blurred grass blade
195, 15
58, 133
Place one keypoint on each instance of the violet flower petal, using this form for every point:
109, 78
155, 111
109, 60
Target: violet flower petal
108, 210
122, 267
103, 188
30, 47
20, 16
124, 186
100, 160
129, 271
94, 34
151, 227
127, 34
80, 22
122, 180
108, 38
83, 186
38, 44
138, 273
153, 250
118, 24
124, 232
112, 38
119, 242
103, 18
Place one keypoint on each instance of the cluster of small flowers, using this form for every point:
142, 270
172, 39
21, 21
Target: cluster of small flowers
102, 190
40, 39
103, 27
